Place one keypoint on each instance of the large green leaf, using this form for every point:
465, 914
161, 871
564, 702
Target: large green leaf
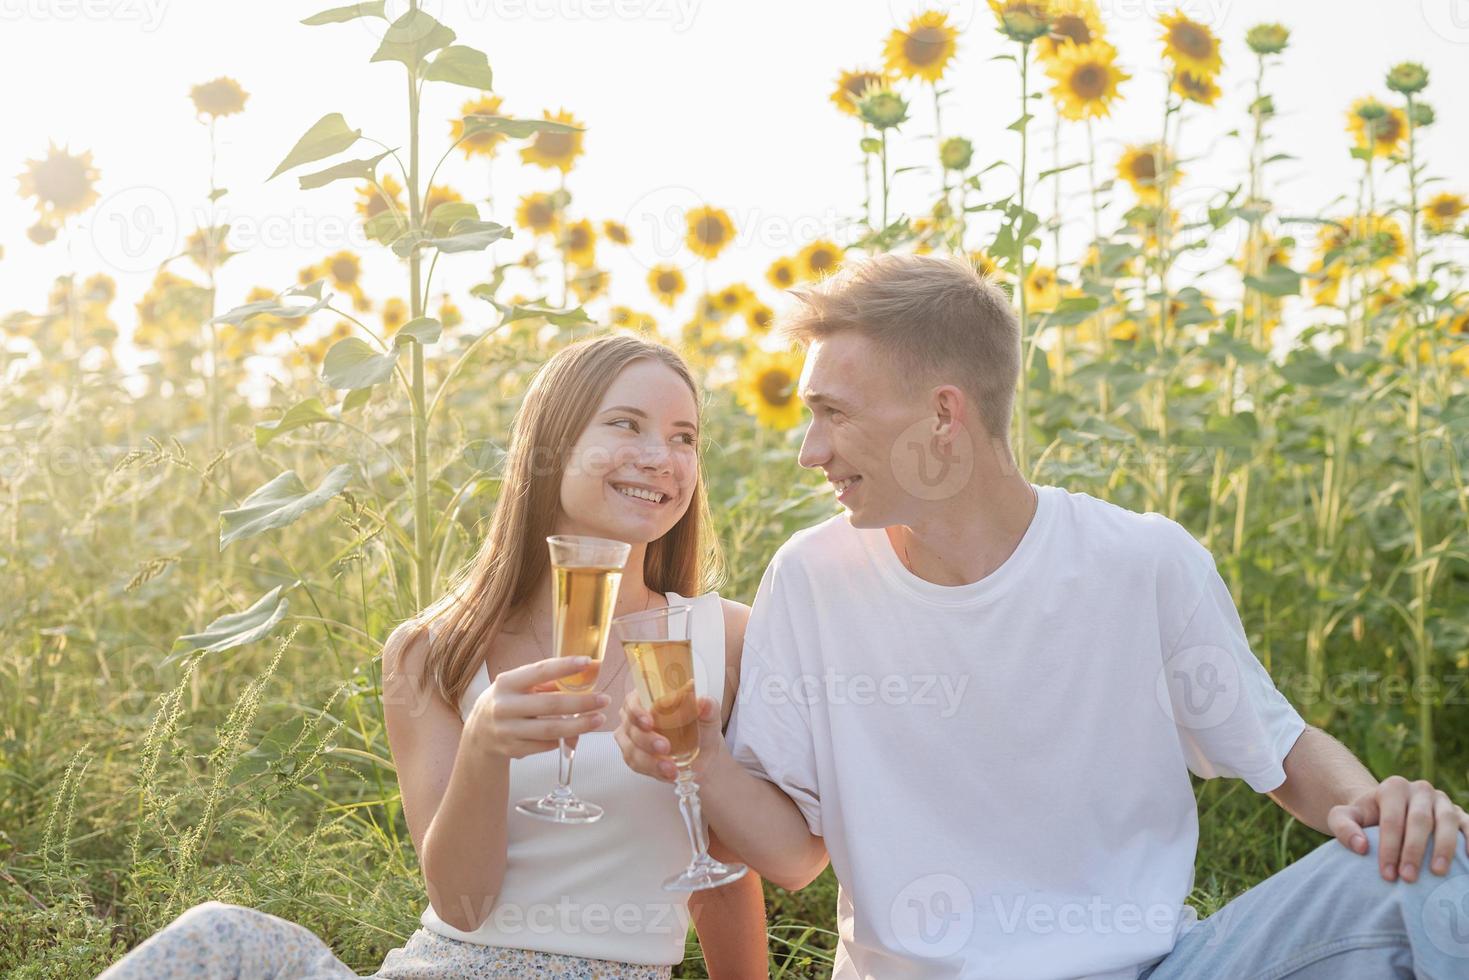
466, 235
411, 38
424, 329
235, 629
350, 170
301, 414
561, 318
278, 503
1278, 280
461, 65
351, 363
278, 306
515, 128
338, 15
329, 136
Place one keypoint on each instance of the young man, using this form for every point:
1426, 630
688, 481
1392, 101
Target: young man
982, 698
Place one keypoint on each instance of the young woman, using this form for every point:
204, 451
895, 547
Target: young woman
605, 445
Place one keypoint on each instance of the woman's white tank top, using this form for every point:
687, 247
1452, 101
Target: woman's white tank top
595, 890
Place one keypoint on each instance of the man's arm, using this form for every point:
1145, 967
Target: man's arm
1320, 773
1328, 789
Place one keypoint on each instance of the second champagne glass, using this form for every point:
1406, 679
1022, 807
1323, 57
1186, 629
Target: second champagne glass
659, 649
587, 574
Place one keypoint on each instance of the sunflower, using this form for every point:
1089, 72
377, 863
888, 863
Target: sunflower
537, 213
41, 233
616, 232
1191, 46
170, 312
759, 317
588, 284
710, 232
344, 269
820, 258
667, 283
1388, 126
385, 195
579, 242
395, 314
449, 314
206, 246
1042, 289
1139, 167
1374, 240
767, 388
1073, 23
61, 183
985, 264
734, 298
1266, 39
629, 319
1195, 88
1022, 20
484, 142
555, 151
781, 274
924, 49
221, 97
1086, 77
1441, 213
851, 86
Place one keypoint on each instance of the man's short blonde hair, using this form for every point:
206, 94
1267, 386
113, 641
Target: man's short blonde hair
938, 318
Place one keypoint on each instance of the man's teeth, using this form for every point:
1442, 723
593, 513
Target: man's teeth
841, 485
641, 494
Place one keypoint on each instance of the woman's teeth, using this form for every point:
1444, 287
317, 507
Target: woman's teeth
652, 496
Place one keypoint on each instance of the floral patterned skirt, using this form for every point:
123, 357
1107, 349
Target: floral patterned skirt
220, 941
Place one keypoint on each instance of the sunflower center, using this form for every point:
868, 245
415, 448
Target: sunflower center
1089, 81
577, 239
709, 230
1072, 27
555, 145
667, 282
62, 180
344, 271
925, 46
1192, 40
1144, 167
538, 213
821, 260
775, 387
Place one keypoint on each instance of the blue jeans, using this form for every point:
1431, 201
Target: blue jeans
1331, 916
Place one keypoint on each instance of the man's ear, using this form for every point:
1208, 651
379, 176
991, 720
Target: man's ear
949, 409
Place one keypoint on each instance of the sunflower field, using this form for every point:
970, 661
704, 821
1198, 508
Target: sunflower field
195, 585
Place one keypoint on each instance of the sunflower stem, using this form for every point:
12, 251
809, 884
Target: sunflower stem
1023, 456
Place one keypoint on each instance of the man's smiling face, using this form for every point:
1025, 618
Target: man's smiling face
859, 411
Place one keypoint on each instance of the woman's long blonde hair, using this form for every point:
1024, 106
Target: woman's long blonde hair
513, 559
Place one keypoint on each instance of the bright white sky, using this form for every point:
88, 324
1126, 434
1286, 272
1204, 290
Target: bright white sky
719, 100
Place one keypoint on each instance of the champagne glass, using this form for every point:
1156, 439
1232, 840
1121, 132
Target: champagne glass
660, 651
587, 574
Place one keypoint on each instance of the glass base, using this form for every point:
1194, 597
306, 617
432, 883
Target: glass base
707, 874
558, 809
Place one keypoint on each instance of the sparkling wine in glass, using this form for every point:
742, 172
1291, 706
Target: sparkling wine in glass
587, 572
660, 652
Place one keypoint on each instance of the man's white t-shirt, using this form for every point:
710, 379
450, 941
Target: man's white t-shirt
1000, 769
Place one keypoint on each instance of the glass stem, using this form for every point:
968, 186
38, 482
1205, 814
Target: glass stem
693, 819
563, 770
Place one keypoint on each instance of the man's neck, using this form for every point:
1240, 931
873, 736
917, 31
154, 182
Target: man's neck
970, 536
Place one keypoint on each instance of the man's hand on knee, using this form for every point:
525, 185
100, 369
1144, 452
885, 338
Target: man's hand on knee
1406, 813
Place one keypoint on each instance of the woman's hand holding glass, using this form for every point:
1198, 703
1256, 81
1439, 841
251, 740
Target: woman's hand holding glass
523, 712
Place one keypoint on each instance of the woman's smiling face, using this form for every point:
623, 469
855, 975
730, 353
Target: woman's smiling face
632, 472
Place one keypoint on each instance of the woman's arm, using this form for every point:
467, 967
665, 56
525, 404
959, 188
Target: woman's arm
730, 920
454, 776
